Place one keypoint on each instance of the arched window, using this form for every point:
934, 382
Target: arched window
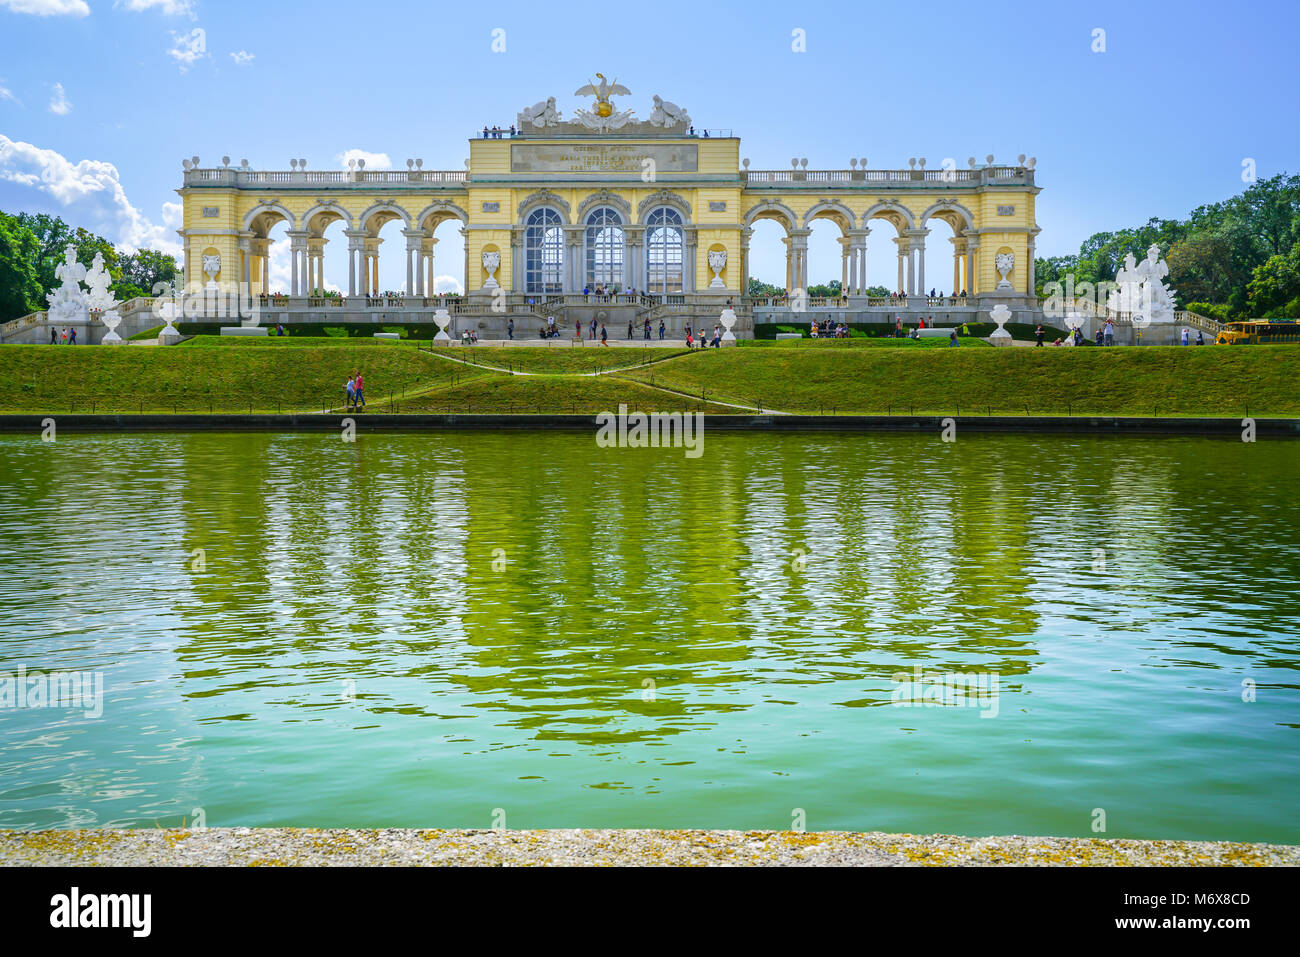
543, 252
663, 250
604, 249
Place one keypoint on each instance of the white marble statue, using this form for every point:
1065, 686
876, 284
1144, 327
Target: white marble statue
68, 301
1004, 263
102, 301
717, 262
1141, 290
540, 115
491, 262
666, 113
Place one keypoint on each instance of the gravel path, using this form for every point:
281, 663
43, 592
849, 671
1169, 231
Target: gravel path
293, 846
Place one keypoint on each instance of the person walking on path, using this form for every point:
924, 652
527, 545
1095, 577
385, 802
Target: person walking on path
1038, 335
350, 391
647, 327
629, 328
952, 338
54, 336
1186, 335
593, 327
360, 393
72, 336
661, 329
602, 335
510, 329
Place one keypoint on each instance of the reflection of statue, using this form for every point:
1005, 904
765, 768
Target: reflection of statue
668, 114
540, 114
1004, 262
102, 301
603, 117
491, 262
68, 301
717, 262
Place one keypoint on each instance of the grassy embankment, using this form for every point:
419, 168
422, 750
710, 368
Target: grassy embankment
840, 377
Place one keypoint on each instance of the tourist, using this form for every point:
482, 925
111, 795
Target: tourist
717, 336
898, 327
1186, 335
360, 394
647, 328
350, 390
279, 328
1099, 335
952, 338
1200, 339
510, 328
593, 327
602, 335
965, 328
629, 327
72, 336
1038, 335
1110, 332
662, 329
485, 132
690, 343
63, 336
1057, 341
54, 336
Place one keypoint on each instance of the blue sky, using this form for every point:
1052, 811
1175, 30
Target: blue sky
100, 101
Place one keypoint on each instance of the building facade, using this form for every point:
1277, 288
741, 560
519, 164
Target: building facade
656, 212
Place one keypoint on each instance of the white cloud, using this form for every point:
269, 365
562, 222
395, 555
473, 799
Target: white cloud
48, 8
7, 94
59, 101
170, 8
447, 284
91, 195
373, 160
189, 48
242, 57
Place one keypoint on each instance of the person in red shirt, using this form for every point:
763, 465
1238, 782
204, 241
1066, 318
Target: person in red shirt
360, 396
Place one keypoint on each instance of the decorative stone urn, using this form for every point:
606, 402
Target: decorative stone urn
211, 266
491, 262
443, 318
717, 262
728, 319
1004, 263
1001, 315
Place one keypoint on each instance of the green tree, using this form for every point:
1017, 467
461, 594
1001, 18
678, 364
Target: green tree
20, 290
1274, 290
141, 270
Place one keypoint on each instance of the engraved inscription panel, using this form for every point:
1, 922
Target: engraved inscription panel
602, 157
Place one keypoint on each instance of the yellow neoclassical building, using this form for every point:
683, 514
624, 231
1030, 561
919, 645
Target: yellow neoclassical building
655, 214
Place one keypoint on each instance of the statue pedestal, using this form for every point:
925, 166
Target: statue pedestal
1000, 337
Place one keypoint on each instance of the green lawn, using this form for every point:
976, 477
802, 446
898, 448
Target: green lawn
863, 342
558, 361
306, 375
123, 378
1168, 380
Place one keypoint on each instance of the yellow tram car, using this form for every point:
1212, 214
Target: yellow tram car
1255, 331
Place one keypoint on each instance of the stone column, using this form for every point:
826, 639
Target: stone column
414, 244
958, 250
972, 265
246, 258
789, 264
574, 267
799, 242
297, 261
844, 265
356, 259
901, 243
1029, 271
688, 259
745, 235
634, 263
428, 266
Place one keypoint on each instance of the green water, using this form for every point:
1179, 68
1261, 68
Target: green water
418, 630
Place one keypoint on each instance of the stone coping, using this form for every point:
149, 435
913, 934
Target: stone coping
250, 847
1226, 427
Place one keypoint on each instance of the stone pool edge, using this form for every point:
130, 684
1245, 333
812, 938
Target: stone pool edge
244, 847
1227, 426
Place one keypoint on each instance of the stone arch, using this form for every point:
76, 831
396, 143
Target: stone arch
266, 214
773, 209
323, 208
833, 210
545, 197
601, 198
893, 211
367, 219
951, 212
441, 210
663, 197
